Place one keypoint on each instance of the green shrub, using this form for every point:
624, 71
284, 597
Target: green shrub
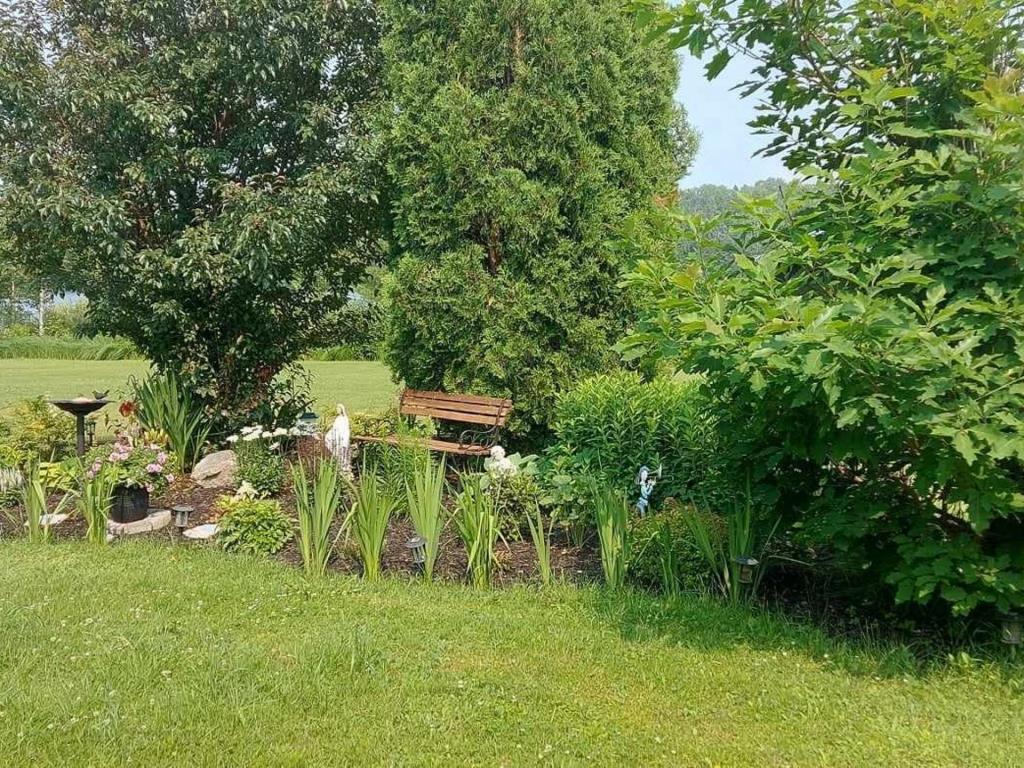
510, 165
37, 430
252, 526
691, 569
608, 426
871, 355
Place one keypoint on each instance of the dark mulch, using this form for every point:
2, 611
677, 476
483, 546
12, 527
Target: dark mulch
517, 560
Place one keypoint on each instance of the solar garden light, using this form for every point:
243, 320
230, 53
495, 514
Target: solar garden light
90, 432
418, 546
308, 423
747, 567
181, 513
1011, 634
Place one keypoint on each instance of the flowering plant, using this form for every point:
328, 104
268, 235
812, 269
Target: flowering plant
511, 481
132, 464
260, 460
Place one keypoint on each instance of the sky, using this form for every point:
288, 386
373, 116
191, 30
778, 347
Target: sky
721, 117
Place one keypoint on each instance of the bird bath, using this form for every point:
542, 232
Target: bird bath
80, 407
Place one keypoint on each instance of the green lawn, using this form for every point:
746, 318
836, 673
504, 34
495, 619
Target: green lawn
359, 385
152, 655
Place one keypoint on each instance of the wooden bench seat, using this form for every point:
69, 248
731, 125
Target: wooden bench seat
485, 415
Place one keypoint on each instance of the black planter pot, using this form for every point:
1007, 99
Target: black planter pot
130, 504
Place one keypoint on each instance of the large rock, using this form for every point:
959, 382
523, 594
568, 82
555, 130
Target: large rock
218, 470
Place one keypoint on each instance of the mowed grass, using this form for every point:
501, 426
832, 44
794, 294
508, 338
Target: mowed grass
359, 385
153, 655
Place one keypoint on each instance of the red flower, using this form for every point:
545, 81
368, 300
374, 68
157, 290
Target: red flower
127, 408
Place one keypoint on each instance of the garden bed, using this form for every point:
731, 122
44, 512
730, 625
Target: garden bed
517, 558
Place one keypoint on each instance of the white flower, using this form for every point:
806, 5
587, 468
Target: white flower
280, 432
268, 435
274, 446
497, 453
249, 430
233, 439
245, 491
251, 436
294, 432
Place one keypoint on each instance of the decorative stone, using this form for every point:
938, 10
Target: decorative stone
201, 532
154, 521
218, 470
49, 519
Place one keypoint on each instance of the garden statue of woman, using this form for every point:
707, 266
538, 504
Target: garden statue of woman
339, 440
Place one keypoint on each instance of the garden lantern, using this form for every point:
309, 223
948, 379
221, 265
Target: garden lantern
181, 513
308, 423
90, 432
418, 546
747, 567
1011, 634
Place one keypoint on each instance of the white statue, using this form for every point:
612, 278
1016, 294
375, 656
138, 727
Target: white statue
339, 440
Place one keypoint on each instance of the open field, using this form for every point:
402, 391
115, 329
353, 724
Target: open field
359, 385
153, 655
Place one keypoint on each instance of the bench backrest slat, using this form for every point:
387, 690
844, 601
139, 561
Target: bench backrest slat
469, 409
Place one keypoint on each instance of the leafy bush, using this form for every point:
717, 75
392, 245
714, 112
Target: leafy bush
872, 356
37, 430
608, 426
220, 267
252, 526
691, 569
510, 162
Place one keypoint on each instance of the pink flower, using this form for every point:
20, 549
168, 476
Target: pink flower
170, 478
162, 457
149, 488
154, 469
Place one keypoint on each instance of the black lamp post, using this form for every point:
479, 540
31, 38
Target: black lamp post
418, 546
747, 567
181, 513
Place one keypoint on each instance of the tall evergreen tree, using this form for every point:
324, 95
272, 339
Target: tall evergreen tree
522, 134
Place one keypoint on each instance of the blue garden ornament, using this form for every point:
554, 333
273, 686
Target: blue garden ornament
646, 479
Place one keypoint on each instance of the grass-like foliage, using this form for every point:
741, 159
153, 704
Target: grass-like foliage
541, 537
611, 513
33, 503
93, 502
165, 404
372, 508
477, 521
44, 348
425, 495
723, 552
316, 502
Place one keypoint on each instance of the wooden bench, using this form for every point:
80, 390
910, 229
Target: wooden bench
487, 414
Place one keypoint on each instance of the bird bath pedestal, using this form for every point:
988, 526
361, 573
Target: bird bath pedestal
80, 407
